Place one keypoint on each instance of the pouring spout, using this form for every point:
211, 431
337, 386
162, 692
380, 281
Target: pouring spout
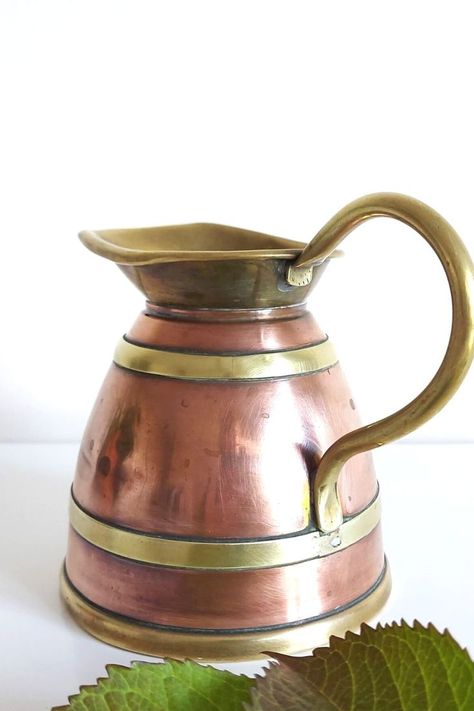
197, 241
203, 265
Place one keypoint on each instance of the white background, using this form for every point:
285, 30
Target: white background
262, 114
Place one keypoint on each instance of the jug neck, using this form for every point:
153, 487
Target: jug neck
226, 315
225, 331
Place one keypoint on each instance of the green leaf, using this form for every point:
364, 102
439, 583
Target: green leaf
170, 686
391, 668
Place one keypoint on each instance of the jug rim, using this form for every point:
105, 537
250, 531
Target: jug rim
171, 243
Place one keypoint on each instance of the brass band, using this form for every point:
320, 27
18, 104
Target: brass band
159, 550
217, 646
200, 366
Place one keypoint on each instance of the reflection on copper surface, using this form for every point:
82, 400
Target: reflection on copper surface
217, 459
226, 336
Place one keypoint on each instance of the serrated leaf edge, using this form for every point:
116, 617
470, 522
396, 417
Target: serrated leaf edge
277, 657
133, 664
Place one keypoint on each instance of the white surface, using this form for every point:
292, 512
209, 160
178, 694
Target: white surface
264, 114
429, 540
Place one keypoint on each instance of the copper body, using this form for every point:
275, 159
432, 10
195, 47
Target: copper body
219, 460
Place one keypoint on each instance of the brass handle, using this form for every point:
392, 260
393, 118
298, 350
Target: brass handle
459, 270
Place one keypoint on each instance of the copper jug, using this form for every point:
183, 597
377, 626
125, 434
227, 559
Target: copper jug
225, 502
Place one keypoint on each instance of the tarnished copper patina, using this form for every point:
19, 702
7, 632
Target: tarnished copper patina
225, 501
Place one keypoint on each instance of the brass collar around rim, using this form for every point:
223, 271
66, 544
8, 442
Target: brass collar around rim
182, 553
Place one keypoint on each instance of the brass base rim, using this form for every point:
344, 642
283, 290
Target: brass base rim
221, 647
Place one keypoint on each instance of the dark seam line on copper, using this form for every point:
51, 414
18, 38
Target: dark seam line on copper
240, 630
193, 539
203, 539
205, 309
218, 354
229, 381
239, 309
257, 319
